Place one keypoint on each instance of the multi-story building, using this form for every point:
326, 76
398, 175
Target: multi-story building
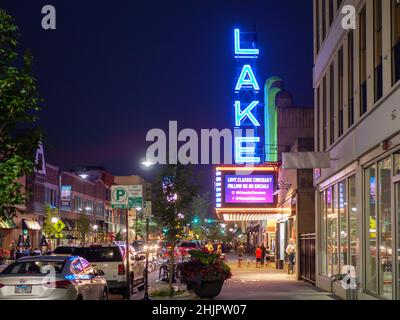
357, 120
87, 194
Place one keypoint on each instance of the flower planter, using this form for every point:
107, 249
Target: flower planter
208, 289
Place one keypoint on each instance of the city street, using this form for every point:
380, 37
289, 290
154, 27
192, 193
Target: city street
250, 283
172, 139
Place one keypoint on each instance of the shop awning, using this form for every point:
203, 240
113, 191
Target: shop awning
31, 225
7, 224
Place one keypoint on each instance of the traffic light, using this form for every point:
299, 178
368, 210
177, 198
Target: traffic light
196, 220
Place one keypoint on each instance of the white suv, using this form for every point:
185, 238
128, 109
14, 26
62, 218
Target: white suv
111, 260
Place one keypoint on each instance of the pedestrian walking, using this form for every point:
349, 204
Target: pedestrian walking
264, 250
291, 251
240, 252
13, 249
258, 257
267, 256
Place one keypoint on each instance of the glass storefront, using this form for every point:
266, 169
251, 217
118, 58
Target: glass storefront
322, 240
347, 230
343, 236
338, 227
371, 245
385, 228
380, 240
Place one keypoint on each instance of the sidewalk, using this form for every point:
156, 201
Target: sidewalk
251, 283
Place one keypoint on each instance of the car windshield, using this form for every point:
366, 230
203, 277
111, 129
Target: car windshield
34, 267
63, 250
100, 254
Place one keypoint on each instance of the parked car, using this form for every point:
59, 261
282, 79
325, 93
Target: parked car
185, 246
52, 278
111, 259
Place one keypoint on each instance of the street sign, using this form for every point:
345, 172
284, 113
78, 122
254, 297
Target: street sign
58, 235
147, 214
59, 226
127, 197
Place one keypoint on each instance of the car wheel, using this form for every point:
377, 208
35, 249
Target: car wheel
105, 294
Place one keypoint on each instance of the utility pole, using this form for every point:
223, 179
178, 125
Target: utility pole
128, 287
146, 284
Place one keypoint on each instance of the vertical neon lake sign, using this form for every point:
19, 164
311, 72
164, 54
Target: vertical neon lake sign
247, 104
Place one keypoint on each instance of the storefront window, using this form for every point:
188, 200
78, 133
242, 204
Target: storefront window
385, 228
343, 236
329, 223
335, 232
397, 164
353, 213
323, 268
371, 244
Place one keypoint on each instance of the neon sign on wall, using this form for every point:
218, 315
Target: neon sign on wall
247, 104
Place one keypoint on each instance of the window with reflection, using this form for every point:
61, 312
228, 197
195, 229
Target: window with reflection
353, 214
371, 226
378, 49
329, 231
323, 267
395, 41
343, 235
335, 231
385, 228
363, 61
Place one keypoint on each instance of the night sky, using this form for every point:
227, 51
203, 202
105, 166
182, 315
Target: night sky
115, 69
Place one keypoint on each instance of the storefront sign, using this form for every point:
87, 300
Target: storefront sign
247, 105
66, 198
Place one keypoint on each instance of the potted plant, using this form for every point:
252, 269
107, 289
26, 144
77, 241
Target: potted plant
205, 273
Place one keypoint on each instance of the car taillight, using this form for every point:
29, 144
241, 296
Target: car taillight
121, 269
60, 284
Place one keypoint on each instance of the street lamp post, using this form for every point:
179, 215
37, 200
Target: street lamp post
128, 291
146, 271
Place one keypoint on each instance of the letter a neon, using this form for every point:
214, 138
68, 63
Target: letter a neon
247, 79
241, 115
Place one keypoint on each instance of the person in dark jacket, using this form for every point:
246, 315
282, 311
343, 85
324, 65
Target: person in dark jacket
263, 252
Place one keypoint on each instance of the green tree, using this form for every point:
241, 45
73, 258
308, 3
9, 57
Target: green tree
140, 228
201, 209
48, 226
19, 135
83, 226
172, 193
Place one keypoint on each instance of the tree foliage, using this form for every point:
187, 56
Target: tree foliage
48, 225
172, 194
19, 107
83, 226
